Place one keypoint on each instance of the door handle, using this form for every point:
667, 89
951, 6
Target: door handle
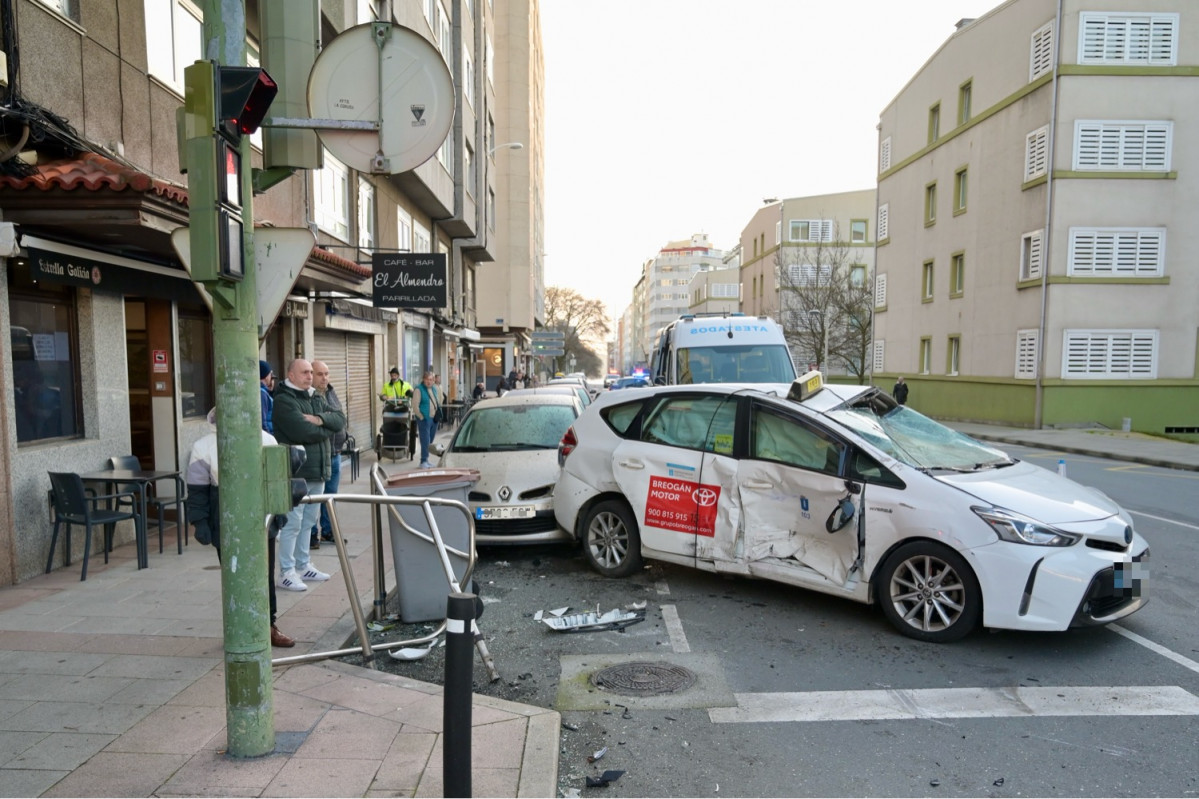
632, 464
758, 484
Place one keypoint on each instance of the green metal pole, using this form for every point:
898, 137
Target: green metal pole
244, 567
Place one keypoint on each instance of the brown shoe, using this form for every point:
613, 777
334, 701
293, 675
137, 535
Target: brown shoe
281, 640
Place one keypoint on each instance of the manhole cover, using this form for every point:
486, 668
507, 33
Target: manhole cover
643, 679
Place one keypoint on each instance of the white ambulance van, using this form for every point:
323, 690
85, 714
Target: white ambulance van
721, 348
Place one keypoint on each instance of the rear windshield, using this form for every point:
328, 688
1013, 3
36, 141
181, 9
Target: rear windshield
748, 363
513, 427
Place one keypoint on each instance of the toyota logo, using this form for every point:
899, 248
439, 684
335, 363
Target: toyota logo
704, 497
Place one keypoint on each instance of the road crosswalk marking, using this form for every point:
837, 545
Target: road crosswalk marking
959, 703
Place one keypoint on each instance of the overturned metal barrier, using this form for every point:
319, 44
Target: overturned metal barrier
380, 500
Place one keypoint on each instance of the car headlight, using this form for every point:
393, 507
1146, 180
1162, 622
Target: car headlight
1023, 530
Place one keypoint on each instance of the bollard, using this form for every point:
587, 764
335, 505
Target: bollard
459, 678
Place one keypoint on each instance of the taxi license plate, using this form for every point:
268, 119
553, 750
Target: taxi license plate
506, 512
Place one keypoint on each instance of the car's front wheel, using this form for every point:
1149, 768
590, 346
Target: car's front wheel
610, 539
929, 592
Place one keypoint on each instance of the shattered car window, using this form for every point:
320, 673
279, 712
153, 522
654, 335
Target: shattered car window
513, 427
913, 438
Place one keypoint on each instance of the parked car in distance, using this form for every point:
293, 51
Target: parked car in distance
512, 441
561, 390
579, 386
632, 381
611, 378
841, 490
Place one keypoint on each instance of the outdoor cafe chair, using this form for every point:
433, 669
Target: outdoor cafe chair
72, 505
132, 463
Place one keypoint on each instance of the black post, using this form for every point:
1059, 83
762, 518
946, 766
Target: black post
459, 678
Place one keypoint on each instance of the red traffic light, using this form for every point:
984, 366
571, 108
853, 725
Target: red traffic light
244, 95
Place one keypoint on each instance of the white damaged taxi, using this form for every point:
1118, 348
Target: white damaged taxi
841, 490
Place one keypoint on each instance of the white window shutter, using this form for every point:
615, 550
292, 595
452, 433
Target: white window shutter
884, 155
1041, 51
879, 349
1026, 353
1136, 146
1036, 153
1031, 256
1128, 38
1109, 354
882, 221
1117, 252
880, 290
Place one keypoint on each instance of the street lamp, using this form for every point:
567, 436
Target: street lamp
514, 145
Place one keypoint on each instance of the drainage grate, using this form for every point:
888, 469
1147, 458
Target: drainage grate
643, 679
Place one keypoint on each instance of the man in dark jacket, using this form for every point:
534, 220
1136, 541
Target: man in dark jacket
302, 417
900, 392
204, 511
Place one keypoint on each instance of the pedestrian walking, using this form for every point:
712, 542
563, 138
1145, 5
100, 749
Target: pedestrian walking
900, 392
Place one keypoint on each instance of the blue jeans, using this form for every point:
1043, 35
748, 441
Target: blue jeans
331, 486
293, 547
425, 429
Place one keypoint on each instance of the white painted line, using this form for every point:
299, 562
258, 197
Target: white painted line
959, 703
662, 587
1163, 519
1181, 660
678, 639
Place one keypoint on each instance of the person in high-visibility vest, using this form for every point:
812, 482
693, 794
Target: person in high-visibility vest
395, 388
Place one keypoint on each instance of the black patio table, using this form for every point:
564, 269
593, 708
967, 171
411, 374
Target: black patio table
141, 478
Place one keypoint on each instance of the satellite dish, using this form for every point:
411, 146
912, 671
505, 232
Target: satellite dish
417, 97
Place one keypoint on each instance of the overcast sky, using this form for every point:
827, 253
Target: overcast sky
671, 117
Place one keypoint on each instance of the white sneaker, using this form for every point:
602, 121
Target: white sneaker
290, 581
314, 575
426, 465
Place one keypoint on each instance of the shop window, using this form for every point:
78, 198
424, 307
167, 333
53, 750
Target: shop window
196, 384
45, 358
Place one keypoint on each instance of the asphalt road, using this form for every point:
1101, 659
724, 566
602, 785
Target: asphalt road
798, 694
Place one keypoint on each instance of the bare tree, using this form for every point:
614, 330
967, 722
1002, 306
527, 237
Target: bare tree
584, 323
824, 301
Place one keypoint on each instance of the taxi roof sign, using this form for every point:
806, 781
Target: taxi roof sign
806, 386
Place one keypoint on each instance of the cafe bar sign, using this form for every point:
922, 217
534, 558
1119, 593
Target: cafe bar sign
409, 280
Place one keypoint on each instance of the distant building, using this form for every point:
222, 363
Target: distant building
667, 277
1036, 219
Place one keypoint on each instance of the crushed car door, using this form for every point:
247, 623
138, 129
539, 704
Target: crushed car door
678, 494
795, 504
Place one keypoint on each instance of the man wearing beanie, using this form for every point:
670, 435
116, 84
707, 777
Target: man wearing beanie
266, 382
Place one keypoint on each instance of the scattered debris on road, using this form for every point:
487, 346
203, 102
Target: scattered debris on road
604, 779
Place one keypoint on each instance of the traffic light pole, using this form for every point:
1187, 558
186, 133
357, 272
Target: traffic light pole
245, 610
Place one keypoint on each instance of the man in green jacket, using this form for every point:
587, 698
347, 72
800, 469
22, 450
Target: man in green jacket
301, 416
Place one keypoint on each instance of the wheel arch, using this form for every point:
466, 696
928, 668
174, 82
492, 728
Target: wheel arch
585, 510
876, 574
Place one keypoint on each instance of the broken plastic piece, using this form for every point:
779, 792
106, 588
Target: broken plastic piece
570, 793
412, 653
636, 605
537, 616
600, 753
593, 621
602, 780
559, 611
572, 727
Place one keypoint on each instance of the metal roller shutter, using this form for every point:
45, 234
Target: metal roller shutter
348, 358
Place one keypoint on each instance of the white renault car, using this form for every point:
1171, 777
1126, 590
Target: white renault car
841, 490
512, 441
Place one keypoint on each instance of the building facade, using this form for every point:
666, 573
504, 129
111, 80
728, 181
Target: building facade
1035, 219
817, 246
511, 291
112, 347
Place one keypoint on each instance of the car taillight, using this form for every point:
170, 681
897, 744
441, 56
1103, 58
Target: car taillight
567, 445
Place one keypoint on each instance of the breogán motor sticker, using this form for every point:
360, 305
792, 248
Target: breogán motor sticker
682, 506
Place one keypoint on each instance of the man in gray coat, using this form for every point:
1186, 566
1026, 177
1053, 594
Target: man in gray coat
320, 382
302, 417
